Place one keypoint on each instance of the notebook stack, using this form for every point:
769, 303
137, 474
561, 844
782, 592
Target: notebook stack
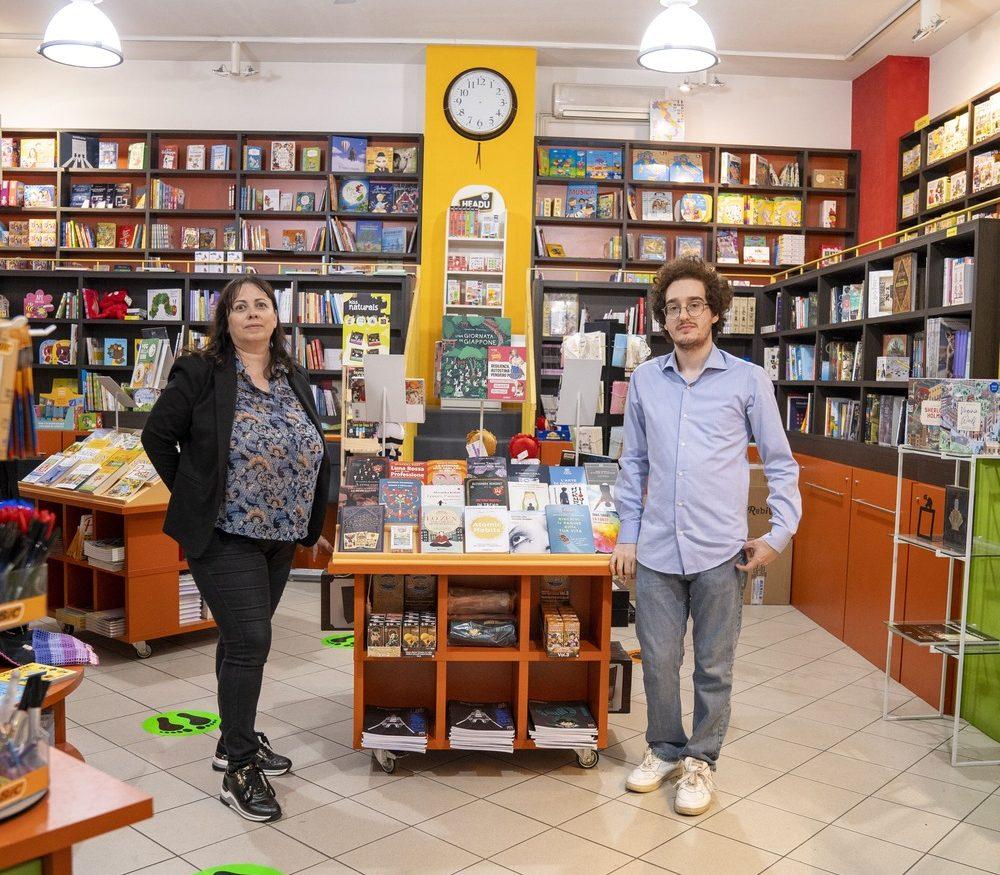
108, 554
190, 601
398, 729
481, 726
110, 624
561, 725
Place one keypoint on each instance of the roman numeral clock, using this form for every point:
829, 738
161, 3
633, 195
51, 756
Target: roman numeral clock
480, 103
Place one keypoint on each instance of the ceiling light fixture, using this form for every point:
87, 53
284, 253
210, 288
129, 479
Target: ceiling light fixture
678, 40
80, 35
235, 70
685, 86
930, 19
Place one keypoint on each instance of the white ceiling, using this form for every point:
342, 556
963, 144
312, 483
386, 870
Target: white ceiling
810, 38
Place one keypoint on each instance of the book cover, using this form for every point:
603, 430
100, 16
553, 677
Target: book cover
442, 495
487, 717
394, 239
115, 351
305, 202
528, 532
168, 158
694, 207
163, 304
312, 158
282, 155
505, 373
194, 157
904, 273
408, 471
378, 159
362, 493
369, 236
562, 474
527, 496
686, 167
362, 528
657, 206
686, 247
219, 157
727, 247
404, 159
581, 201
561, 715
450, 471
442, 528
956, 517
569, 528
571, 163
380, 197
604, 164
366, 469
348, 153
404, 198
652, 247
485, 491
651, 165
486, 530
601, 473
354, 196
487, 466
463, 363
107, 156
528, 471
401, 500
568, 493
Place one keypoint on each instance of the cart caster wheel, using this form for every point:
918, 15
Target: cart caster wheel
143, 650
386, 760
587, 759
67, 629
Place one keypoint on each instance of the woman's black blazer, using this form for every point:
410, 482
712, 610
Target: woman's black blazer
195, 413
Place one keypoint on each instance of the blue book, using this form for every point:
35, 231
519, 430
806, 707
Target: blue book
618, 353
559, 474
253, 157
394, 240
380, 197
570, 529
115, 351
348, 153
581, 201
369, 236
604, 164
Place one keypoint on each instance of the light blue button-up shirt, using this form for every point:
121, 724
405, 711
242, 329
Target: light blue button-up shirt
685, 450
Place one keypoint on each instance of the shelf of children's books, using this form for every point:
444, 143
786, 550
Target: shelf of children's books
141, 323
109, 171
307, 215
105, 367
886, 384
375, 177
284, 174
48, 367
990, 192
180, 171
851, 325
374, 256
839, 384
950, 310
102, 211
799, 332
28, 211
228, 212
681, 186
916, 316
385, 217
18, 171
5, 249
496, 241
474, 273
942, 162
580, 263
668, 223
913, 175
573, 222
762, 189
77, 251
579, 180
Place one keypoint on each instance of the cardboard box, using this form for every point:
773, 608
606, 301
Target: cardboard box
772, 585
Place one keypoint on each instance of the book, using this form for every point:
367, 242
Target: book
570, 163
115, 351
442, 528
369, 236
569, 528
651, 165
904, 279
528, 471
652, 247
604, 164
441, 471
380, 197
486, 530
689, 247
348, 153
282, 155
567, 474
686, 167
568, 494
486, 492
727, 247
561, 725
657, 206
353, 195
528, 496
731, 169
487, 466
581, 201
404, 159
378, 159
136, 156
481, 726
219, 157
312, 159
253, 158
405, 198
362, 529
528, 532
505, 373
399, 729
366, 469
401, 500
442, 495
463, 369
693, 207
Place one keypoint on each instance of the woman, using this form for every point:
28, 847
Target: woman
236, 439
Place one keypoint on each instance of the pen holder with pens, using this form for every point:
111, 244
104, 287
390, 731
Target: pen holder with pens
22, 595
24, 746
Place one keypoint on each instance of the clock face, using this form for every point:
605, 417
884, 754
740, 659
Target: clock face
480, 103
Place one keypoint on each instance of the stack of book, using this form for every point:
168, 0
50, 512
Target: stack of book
399, 729
108, 553
561, 725
481, 726
190, 600
110, 624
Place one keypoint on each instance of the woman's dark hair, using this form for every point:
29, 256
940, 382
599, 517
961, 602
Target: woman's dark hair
220, 345
718, 292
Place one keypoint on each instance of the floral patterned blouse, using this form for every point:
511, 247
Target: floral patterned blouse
274, 457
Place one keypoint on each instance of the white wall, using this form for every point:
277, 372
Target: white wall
966, 66
750, 110
387, 97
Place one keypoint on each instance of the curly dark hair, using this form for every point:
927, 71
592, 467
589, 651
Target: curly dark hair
220, 345
718, 292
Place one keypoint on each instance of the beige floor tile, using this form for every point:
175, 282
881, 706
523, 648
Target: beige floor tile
636, 867
341, 732
306, 749
801, 730
881, 751
418, 763
762, 826
556, 852
808, 798
987, 814
167, 790
330, 867
297, 795
972, 845
937, 764
479, 775
839, 714
414, 800
662, 802
99, 708
750, 717
542, 761
805, 683
930, 794
195, 825
803, 647
625, 828
631, 751
173, 866
86, 741
787, 866
755, 673
121, 764
768, 632
930, 865
618, 734
282, 667
548, 800
339, 827
116, 853
865, 697
696, 852
635, 720
774, 700
349, 775
851, 774
265, 847
777, 658
741, 778
325, 682
848, 853
607, 777
311, 713
926, 733
830, 668
135, 676
295, 644
122, 731
773, 753
919, 830
483, 828
188, 666
169, 694
412, 853
165, 753
846, 656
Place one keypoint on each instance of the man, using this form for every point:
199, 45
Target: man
688, 421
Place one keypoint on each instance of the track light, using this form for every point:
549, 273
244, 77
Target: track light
235, 70
685, 86
80, 35
930, 19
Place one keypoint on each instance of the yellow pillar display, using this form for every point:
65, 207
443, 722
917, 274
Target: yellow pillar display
506, 163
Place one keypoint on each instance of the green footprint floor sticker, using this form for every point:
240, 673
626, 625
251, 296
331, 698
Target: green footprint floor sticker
181, 723
340, 639
240, 869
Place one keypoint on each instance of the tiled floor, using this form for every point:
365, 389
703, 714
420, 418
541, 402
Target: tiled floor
811, 778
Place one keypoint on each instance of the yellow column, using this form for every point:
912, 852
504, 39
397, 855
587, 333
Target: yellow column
507, 164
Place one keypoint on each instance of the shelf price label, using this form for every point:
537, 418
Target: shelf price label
922, 122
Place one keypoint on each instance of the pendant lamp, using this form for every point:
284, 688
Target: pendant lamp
80, 35
678, 40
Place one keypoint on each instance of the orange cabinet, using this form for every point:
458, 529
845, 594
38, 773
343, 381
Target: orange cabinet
819, 561
869, 564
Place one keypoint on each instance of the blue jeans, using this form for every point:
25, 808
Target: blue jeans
714, 600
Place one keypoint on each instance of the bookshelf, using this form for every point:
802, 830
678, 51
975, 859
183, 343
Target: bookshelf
15, 285
979, 239
918, 178
213, 199
475, 252
584, 240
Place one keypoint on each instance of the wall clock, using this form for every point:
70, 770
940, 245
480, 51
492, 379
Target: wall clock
480, 103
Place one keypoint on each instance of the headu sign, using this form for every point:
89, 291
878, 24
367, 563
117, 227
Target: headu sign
482, 201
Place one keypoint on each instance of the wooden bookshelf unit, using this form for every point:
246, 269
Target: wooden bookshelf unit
513, 674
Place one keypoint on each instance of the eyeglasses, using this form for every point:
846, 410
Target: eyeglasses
692, 308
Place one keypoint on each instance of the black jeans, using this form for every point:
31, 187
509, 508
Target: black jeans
242, 580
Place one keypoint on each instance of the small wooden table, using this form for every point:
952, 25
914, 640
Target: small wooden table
81, 803
55, 699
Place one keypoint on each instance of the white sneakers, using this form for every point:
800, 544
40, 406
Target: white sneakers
694, 789
651, 773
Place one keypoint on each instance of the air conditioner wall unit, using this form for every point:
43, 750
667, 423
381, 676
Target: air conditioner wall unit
572, 100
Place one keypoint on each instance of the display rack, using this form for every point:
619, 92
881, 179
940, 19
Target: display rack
583, 239
146, 587
976, 548
514, 674
915, 181
463, 244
